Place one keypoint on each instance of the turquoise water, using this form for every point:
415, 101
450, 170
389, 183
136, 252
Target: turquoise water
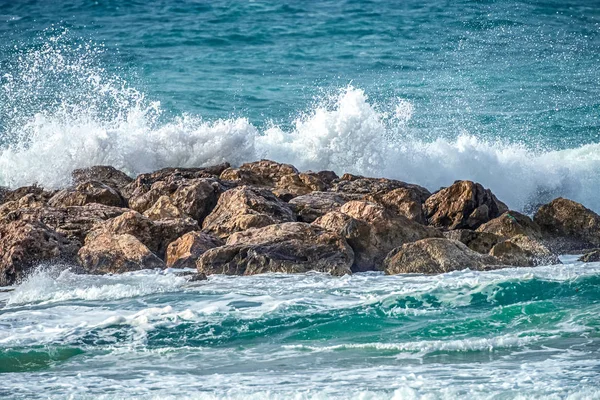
502, 92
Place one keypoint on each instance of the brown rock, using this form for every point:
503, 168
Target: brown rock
311, 206
404, 201
261, 173
592, 256
163, 208
510, 224
85, 193
104, 253
568, 225
373, 231
25, 244
183, 252
436, 256
30, 200
246, 207
104, 174
481, 242
465, 204
293, 247
522, 251
359, 184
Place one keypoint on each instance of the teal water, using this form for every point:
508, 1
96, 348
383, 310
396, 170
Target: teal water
502, 92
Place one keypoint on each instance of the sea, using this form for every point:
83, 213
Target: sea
502, 92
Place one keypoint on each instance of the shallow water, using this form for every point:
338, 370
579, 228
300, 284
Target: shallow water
513, 333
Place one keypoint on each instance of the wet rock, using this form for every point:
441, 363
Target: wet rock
193, 276
293, 247
86, 193
436, 256
311, 206
185, 251
404, 201
105, 252
481, 242
246, 207
104, 174
591, 256
523, 251
163, 208
373, 231
25, 244
512, 223
568, 226
465, 204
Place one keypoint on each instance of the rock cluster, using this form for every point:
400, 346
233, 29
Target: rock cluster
266, 216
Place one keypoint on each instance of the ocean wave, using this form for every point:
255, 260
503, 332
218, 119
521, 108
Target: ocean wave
97, 118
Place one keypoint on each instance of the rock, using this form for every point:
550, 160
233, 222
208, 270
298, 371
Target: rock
404, 201
311, 206
359, 184
30, 200
522, 251
25, 244
510, 224
327, 177
592, 256
38, 193
481, 242
568, 226
261, 173
105, 252
183, 252
294, 247
73, 222
104, 174
246, 207
193, 276
163, 208
436, 256
85, 193
373, 231
465, 204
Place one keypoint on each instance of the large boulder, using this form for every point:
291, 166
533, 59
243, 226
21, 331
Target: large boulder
163, 208
568, 226
183, 252
85, 193
512, 223
404, 201
481, 242
23, 197
523, 251
465, 204
261, 173
436, 256
311, 206
367, 186
25, 244
373, 231
105, 252
105, 174
294, 247
246, 207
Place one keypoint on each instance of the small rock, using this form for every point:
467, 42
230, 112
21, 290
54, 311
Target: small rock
592, 256
523, 251
481, 242
183, 252
104, 174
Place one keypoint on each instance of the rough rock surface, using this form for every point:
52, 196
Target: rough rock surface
436, 256
568, 225
105, 174
246, 207
25, 244
481, 242
311, 206
183, 252
512, 223
104, 252
404, 201
293, 247
373, 231
163, 208
465, 204
591, 256
359, 184
260, 173
522, 251
85, 193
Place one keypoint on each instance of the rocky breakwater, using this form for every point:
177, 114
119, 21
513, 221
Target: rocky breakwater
266, 216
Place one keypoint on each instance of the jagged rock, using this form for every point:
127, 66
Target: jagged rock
290, 186
311, 206
481, 242
436, 256
73, 222
105, 252
192, 276
105, 174
373, 231
86, 193
465, 204
523, 251
403, 201
293, 247
25, 244
261, 173
39, 193
183, 252
163, 208
327, 177
592, 256
512, 223
30, 200
246, 207
4, 191
568, 225
359, 184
